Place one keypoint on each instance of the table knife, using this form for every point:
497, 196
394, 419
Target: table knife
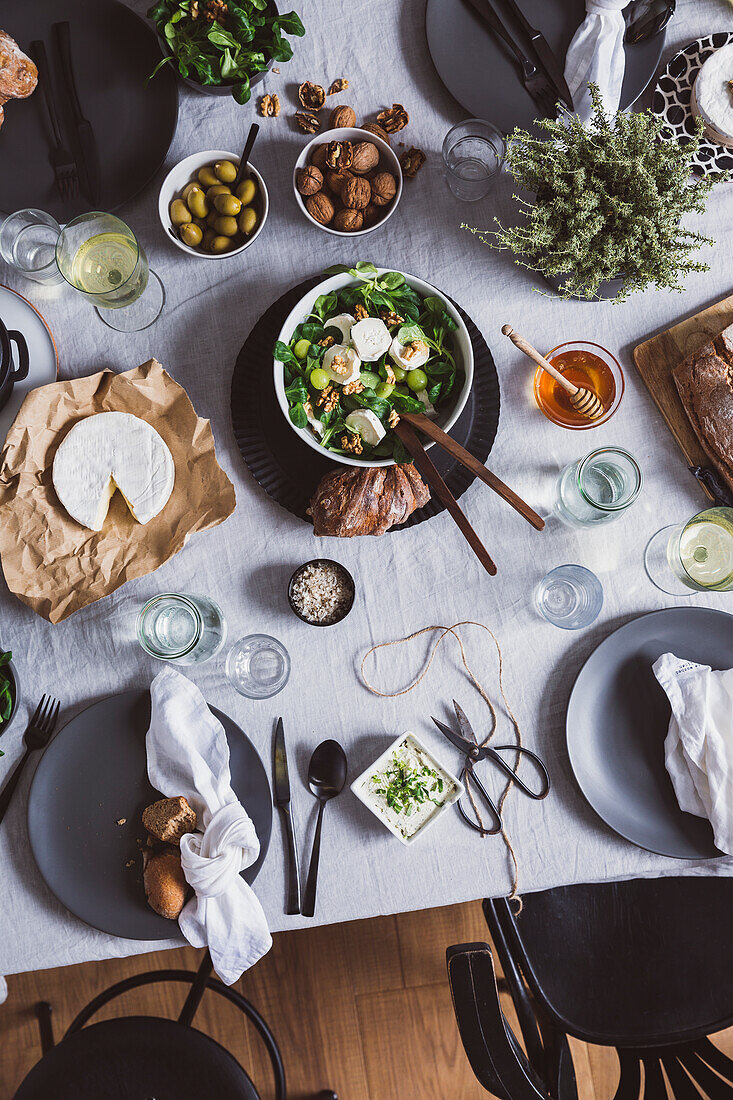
545, 56
84, 133
282, 801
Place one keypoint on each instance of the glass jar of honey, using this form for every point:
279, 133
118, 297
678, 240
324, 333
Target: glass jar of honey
584, 364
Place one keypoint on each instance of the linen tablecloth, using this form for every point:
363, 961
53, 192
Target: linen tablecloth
406, 580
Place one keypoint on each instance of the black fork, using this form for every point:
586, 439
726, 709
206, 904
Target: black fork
37, 736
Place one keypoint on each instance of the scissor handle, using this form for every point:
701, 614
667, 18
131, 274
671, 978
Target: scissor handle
491, 751
468, 775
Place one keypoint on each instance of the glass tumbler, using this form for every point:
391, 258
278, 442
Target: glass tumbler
28, 244
473, 154
258, 666
598, 488
185, 630
570, 597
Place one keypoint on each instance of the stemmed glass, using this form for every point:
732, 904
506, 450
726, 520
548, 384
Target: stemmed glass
101, 257
696, 556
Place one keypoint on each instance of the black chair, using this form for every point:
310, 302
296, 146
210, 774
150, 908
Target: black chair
146, 1057
645, 966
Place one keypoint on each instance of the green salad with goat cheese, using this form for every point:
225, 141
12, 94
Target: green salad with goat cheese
364, 355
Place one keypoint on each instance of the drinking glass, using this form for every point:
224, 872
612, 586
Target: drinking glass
258, 666
570, 597
696, 556
473, 154
598, 488
102, 258
185, 630
28, 244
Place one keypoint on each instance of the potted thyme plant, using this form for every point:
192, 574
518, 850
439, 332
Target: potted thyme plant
609, 198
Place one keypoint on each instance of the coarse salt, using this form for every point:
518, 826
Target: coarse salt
322, 593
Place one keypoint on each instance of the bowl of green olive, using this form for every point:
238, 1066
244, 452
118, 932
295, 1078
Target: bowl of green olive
205, 212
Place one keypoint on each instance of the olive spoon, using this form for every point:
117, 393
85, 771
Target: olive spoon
326, 778
244, 159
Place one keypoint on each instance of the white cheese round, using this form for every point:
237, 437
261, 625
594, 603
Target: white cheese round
371, 338
367, 424
108, 451
349, 372
422, 395
343, 323
712, 97
397, 354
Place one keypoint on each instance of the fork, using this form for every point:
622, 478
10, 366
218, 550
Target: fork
36, 736
64, 165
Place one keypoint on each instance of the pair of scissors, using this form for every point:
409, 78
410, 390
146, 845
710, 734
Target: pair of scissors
467, 742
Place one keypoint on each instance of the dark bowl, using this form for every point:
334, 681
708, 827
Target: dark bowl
11, 371
15, 692
322, 561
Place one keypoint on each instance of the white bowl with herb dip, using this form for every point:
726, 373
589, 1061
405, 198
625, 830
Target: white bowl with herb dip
407, 788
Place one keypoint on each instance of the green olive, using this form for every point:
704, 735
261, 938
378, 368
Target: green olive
211, 218
226, 171
189, 188
209, 238
191, 235
200, 222
220, 189
246, 192
221, 243
179, 212
197, 203
247, 220
225, 226
207, 177
228, 204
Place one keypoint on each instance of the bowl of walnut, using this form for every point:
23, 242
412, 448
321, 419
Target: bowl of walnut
347, 181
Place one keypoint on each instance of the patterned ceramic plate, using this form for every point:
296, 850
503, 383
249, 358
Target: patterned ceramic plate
671, 102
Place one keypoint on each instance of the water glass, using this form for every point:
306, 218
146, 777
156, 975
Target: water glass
473, 154
570, 597
258, 666
185, 630
28, 244
598, 488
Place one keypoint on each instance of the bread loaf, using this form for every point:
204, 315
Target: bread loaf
18, 74
705, 384
366, 501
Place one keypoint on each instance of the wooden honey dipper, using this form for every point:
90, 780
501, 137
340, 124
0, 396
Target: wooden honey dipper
585, 401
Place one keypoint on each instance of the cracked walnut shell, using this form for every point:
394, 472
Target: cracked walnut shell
339, 85
365, 157
339, 154
309, 181
384, 188
307, 122
342, 116
348, 221
393, 118
311, 96
320, 208
356, 193
411, 162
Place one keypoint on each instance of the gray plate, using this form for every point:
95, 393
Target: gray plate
94, 773
617, 721
485, 78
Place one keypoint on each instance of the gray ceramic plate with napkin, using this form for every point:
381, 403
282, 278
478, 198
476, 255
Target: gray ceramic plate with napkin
617, 721
92, 776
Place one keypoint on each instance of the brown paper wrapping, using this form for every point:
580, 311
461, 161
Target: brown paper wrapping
51, 562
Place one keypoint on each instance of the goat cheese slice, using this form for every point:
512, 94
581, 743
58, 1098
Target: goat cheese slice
109, 451
343, 323
712, 97
422, 395
367, 424
397, 355
371, 338
345, 371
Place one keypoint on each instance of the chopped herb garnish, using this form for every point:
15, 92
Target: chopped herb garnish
404, 787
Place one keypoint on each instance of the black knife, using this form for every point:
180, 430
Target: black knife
282, 801
551, 66
84, 132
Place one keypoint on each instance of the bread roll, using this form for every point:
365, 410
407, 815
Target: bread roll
165, 885
18, 74
169, 819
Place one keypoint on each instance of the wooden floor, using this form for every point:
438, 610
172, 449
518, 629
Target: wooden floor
362, 1008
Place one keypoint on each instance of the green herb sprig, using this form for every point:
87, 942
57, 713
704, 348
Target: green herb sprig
609, 198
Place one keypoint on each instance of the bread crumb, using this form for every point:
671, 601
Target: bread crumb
130, 863
121, 820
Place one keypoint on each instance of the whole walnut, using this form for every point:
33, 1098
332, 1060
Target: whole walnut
377, 130
356, 193
342, 116
364, 158
318, 156
309, 180
348, 221
371, 214
384, 188
337, 180
320, 208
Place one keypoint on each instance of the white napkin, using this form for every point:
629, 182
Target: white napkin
698, 749
188, 754
596, 54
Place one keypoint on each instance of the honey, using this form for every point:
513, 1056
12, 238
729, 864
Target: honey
583, 368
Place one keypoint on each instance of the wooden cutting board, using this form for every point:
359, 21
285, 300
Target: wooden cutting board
657, 357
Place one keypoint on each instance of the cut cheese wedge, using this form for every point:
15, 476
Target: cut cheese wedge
109, 451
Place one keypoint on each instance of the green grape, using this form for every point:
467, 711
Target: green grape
399, 373
417, 380
319, 379
384, 389
301, 349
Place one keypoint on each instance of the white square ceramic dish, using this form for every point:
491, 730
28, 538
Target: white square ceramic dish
360, 787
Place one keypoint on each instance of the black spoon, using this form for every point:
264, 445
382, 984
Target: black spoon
326, 778
244, 159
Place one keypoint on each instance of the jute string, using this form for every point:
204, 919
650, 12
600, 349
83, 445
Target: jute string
453, 630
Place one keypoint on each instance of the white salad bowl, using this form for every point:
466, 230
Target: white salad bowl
464, 356
360, 787
353, 134
182, 174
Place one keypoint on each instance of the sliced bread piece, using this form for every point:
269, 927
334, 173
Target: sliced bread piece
169, 819
705, 384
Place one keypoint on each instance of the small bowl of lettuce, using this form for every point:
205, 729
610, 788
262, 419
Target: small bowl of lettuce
223, 47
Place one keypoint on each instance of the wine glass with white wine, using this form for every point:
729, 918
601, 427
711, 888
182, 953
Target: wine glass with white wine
101, 257
696, 556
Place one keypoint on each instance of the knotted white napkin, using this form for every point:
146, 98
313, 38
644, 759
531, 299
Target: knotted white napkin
596, 55
188, 754
698, 749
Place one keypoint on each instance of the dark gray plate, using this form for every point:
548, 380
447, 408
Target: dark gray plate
485, 78
617, 721
94, 773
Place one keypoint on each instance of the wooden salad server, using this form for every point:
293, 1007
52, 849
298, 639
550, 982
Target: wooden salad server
429, 428
585, 401
426, 467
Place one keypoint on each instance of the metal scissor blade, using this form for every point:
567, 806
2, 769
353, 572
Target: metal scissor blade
465, 726
466, 747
